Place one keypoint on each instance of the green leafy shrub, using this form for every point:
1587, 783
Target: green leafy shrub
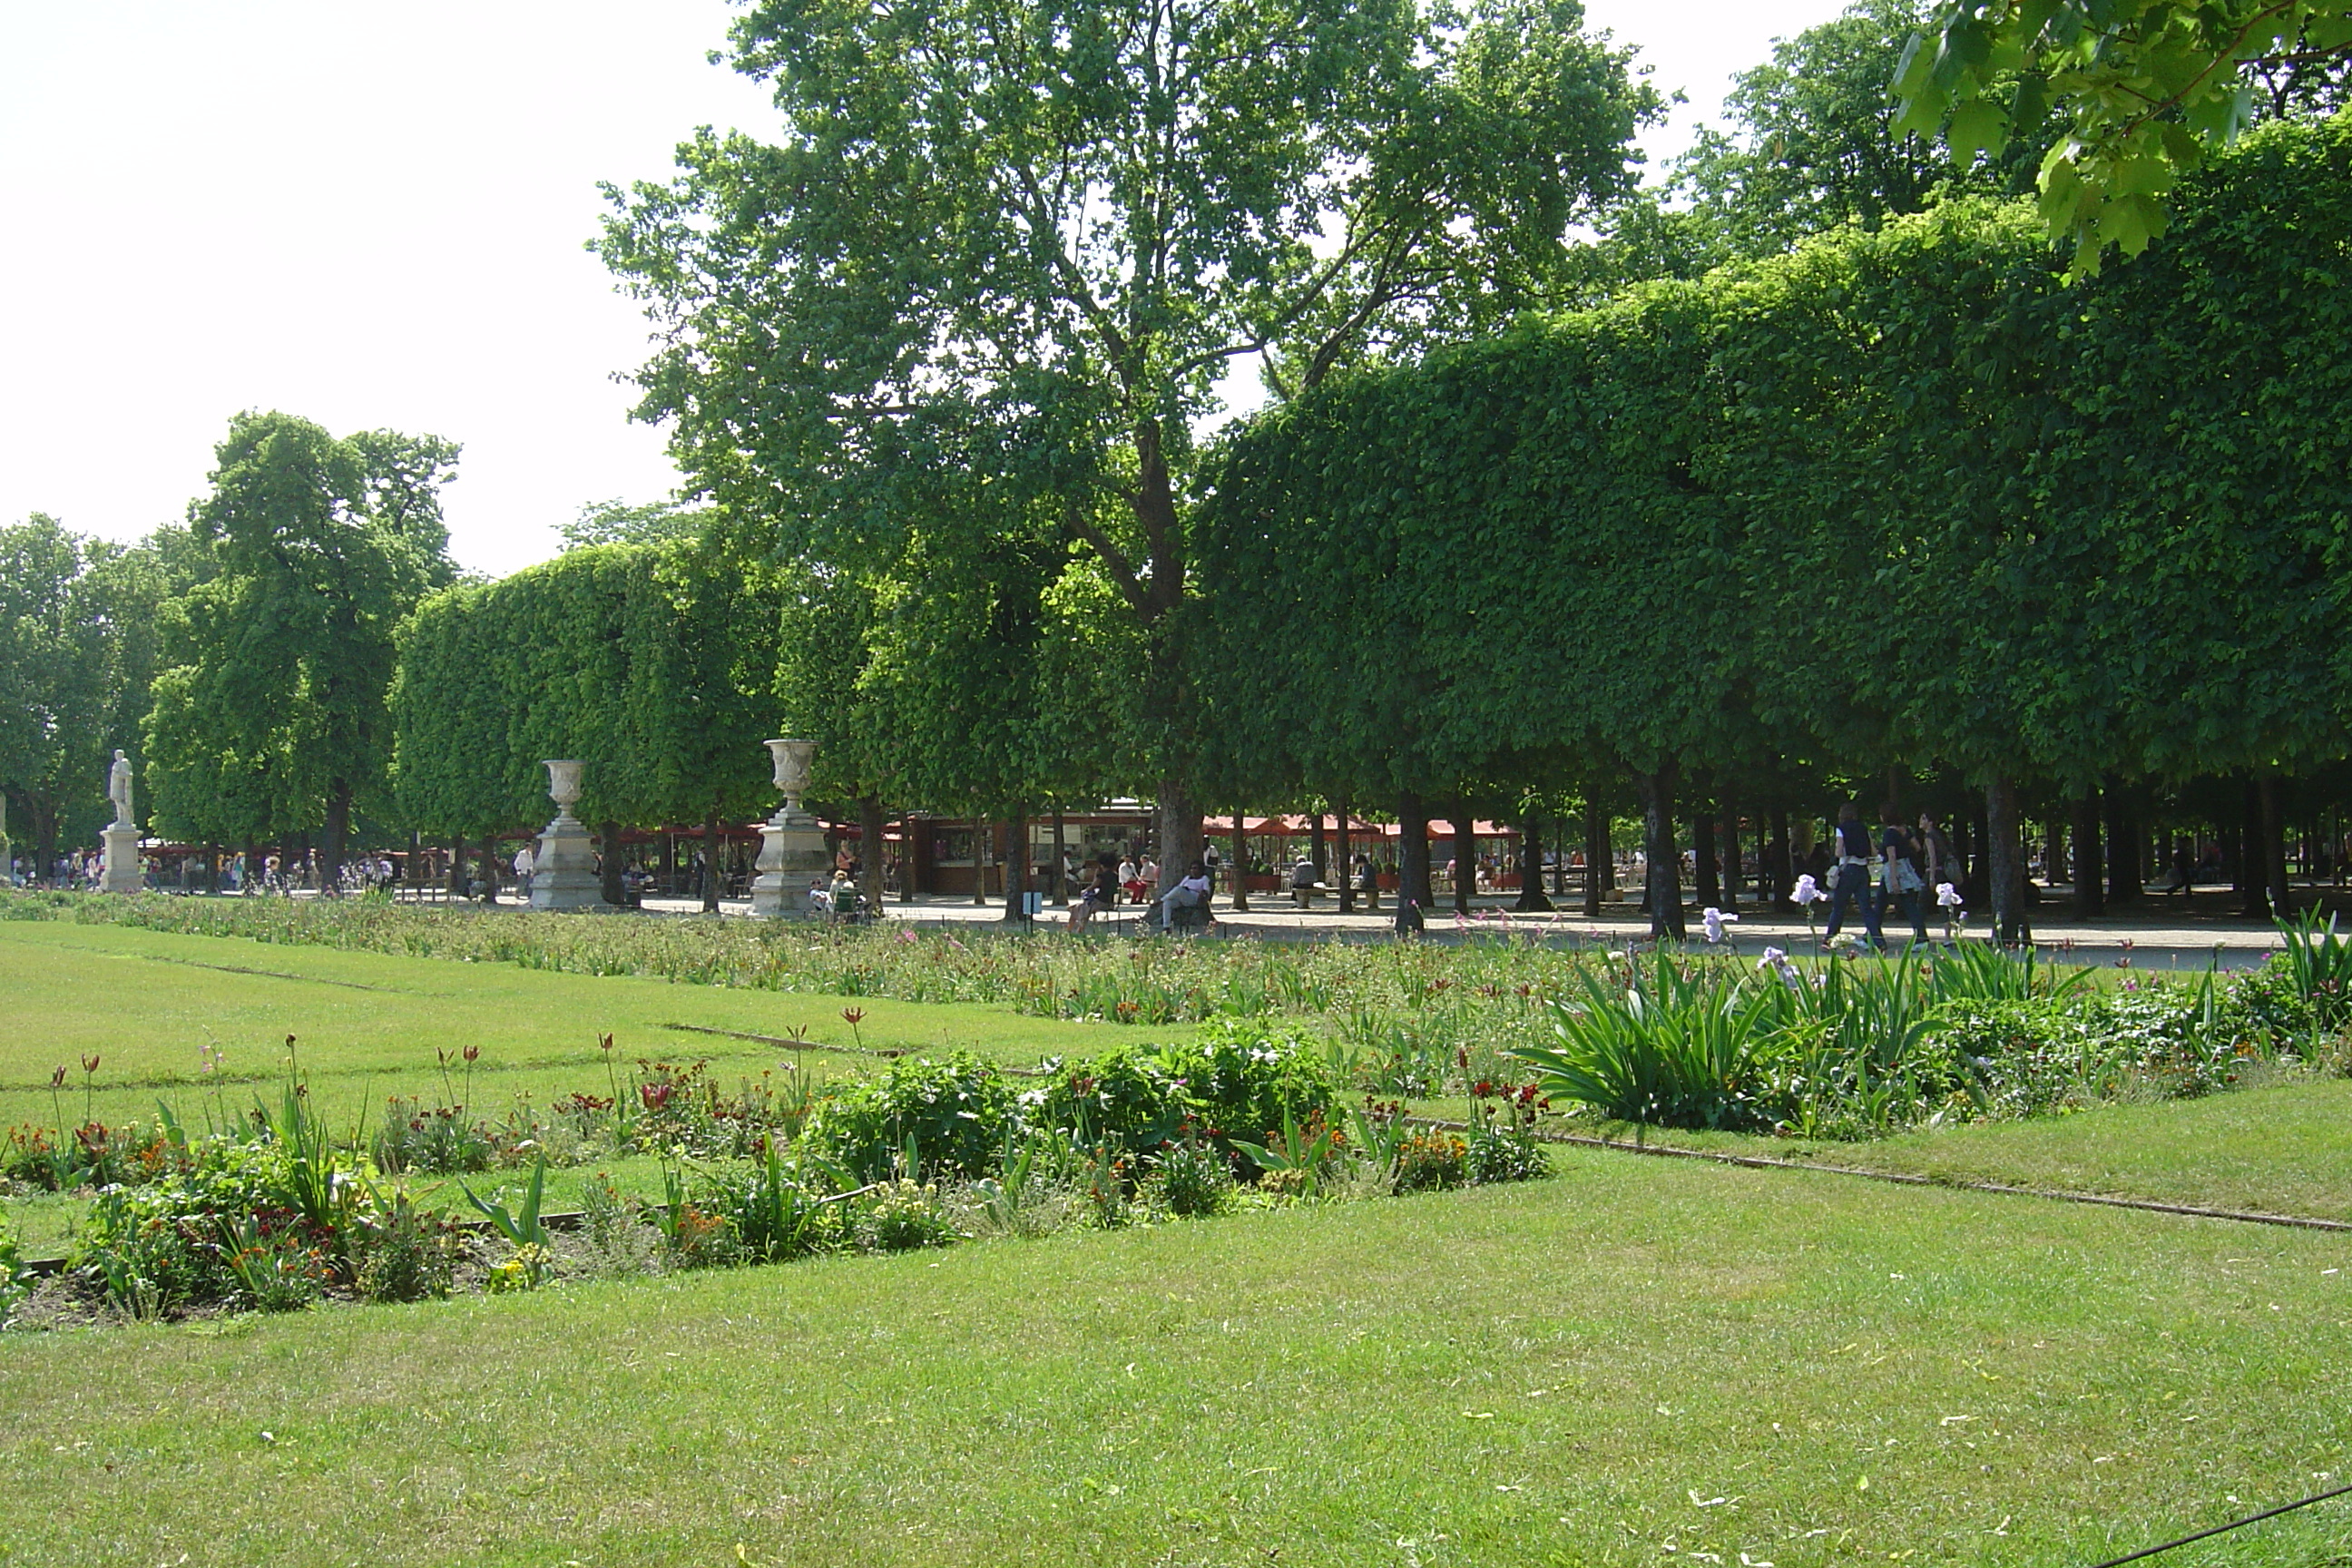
1192, 1178
951, 1114
204, 1234
1676, 1046
15, 1283
1238, 1081
904, 1217
430, 1141
780, 1207
399, 1252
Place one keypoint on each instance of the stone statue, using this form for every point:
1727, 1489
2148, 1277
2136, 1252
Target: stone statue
118, 787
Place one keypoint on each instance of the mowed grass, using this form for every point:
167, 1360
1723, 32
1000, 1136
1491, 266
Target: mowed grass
368, 1026
1633, 1357
2282, 1147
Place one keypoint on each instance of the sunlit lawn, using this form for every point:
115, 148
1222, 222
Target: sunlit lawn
1634, 1356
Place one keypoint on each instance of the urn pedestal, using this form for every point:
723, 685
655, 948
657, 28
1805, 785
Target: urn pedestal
120, 872
792, 856
564, 861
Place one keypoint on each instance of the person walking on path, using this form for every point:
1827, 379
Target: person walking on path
1902, 883
1853, 882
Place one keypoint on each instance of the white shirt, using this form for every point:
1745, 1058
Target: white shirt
522, 861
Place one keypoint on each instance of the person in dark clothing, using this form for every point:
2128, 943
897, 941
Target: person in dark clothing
1901, 883
1856, 882
1101, 892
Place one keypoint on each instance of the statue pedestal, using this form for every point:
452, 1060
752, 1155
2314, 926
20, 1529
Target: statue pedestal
563, 868
792, 856
121, 873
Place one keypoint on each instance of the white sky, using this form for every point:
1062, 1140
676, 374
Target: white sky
374, 216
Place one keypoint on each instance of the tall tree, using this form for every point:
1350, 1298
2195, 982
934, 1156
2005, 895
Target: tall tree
1814, 142
76, 654
1041, 232
281, 661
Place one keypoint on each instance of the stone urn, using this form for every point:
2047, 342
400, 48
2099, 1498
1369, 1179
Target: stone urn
792, 846
563, 874
563, 784
792, 760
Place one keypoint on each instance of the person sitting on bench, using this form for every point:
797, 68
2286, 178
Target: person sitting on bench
1192, 893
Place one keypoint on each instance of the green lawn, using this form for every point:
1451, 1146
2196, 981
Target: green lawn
369, 1024
2281, 1148
1641, 1362
1804, 1369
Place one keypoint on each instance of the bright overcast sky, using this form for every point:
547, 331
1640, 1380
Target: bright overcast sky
374, 216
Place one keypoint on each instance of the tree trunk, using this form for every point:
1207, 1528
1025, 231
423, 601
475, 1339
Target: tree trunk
1412, 859
1016, 868
1598, 855
1784, 861
1060, 883
1315, 850
1531, 899
44, 836
1709, 887
211, 869
338, 827
615, 891
984, 846
1731, 867
1663, 880
2054, 851
906, 856
2006, 865
1240, 862
2273, 875
2126, 881
709, 888
1465, 855
2090, 872
488, 865
1177, 819
1346, 867
873, 830
457, 884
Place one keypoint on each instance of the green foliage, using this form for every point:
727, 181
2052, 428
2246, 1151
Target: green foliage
1192, 1178
271, 715
78, 650
15, 1281
1901, 496
2149, 92
1674, 1047
1815, 143
520, 1224
650, 662
228, 1227
399, 1251
871, 347
946, 1116
904, 1217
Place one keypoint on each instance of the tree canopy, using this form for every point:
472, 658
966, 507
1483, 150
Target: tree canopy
2148, 90
270, 717
1026, 242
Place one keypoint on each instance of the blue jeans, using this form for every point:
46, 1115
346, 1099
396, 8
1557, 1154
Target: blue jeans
1856, 884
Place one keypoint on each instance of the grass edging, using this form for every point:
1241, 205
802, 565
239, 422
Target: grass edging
1912, 1179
